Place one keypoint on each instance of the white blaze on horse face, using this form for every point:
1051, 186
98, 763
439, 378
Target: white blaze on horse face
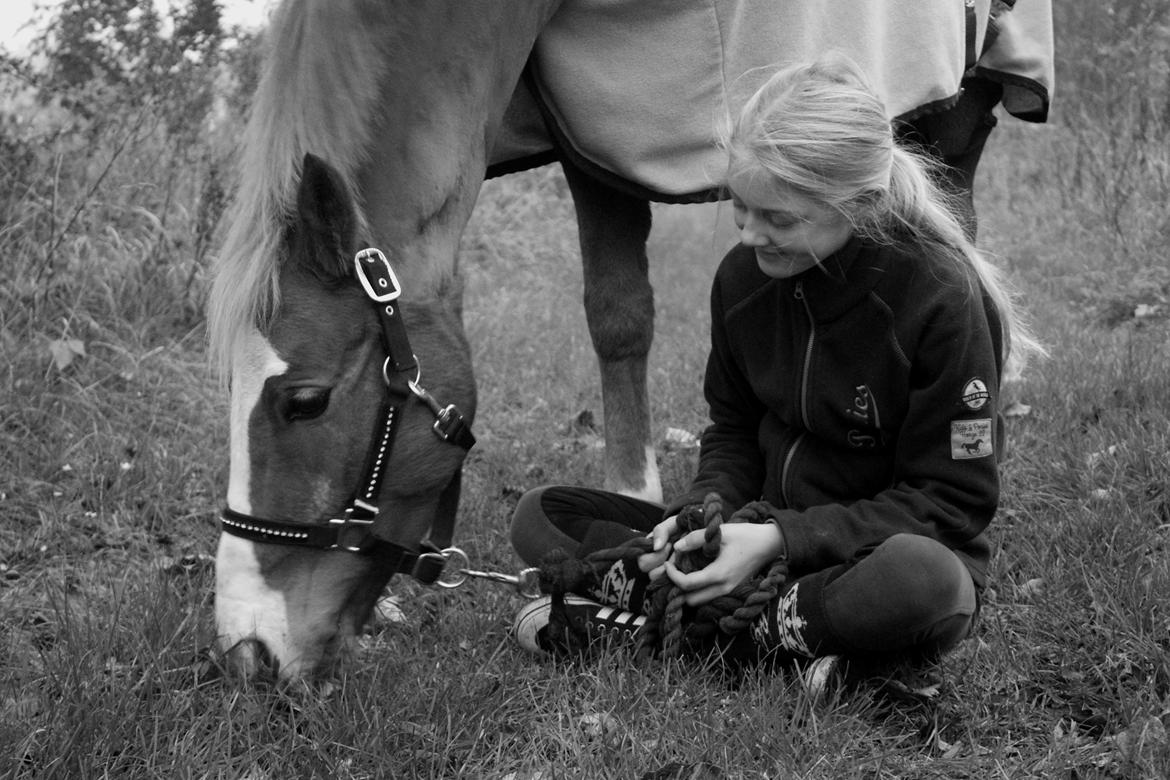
254, 363
246, 607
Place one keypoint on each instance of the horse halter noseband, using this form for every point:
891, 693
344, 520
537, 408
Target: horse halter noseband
353, 530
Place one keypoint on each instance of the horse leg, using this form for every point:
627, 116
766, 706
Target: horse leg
619, 309
956, 137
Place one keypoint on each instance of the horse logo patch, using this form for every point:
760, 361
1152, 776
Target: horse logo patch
971, 439
975, 395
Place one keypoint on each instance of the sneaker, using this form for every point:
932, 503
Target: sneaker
821, 676
595, 621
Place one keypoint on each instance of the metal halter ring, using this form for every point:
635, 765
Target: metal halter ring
526, 583
460, 576
386, 371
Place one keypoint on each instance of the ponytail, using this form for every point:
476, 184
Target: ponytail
914, 210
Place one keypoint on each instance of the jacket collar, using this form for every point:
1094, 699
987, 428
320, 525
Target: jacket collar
842, 280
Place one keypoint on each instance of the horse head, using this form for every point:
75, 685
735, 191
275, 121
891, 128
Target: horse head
341, 463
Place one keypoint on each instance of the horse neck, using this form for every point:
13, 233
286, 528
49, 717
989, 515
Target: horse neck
451, 70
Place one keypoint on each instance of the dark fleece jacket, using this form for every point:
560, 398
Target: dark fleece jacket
859, 398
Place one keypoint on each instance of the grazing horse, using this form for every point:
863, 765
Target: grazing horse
336, 306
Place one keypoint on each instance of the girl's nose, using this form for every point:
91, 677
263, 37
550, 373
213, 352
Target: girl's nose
751, 233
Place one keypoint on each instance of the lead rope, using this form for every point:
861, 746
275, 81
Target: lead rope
669, 628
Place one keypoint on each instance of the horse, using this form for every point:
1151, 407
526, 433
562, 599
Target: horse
335, 309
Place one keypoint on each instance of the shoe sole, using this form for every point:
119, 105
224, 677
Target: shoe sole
533, 617
820, 676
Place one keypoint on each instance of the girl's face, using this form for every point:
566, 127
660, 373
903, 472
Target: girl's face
789, 232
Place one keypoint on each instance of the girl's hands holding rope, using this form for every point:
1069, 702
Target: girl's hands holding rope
654, 562
744, 549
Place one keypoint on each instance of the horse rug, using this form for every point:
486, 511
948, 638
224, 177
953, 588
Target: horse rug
634, 90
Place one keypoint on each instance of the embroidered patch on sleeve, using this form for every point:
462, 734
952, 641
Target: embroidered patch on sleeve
975, 394
971, 439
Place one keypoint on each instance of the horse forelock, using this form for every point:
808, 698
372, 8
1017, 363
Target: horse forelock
317, 94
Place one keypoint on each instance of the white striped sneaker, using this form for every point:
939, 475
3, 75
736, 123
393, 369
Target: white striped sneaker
820, 677
593, 620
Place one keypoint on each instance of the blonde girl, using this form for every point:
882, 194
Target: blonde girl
858, 341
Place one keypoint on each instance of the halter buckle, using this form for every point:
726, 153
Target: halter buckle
376, 275
354, 535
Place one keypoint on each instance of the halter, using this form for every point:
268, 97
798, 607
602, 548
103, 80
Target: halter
353, 530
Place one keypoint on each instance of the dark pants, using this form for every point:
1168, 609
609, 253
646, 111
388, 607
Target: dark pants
909, 598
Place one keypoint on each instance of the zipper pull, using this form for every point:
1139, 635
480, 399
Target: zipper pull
798, 293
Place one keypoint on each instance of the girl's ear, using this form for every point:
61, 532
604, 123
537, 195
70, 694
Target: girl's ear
326, 215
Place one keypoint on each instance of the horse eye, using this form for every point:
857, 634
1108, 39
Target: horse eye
305, 403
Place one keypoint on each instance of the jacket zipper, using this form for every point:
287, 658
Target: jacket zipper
784, 469
798, 293
812, 335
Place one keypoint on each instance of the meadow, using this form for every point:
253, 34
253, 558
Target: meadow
113, 453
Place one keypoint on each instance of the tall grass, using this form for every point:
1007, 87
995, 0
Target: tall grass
113, 452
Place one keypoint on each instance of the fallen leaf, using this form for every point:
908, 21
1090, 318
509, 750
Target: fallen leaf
65, 351
597, 725
186, 564
914, 690
582, 424
1144, 736
680, 438
388, 610
1094, 458
1017, 409
1032, 588
946, 750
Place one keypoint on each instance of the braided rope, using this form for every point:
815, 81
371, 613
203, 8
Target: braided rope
754, 598
670, 627
708, 517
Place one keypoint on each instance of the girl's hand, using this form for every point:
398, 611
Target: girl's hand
653, 562
744, 549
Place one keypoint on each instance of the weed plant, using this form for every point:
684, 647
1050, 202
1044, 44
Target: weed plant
113, 446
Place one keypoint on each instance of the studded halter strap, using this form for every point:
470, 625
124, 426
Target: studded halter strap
353, 530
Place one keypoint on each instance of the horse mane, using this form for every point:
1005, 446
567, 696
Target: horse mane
323, 65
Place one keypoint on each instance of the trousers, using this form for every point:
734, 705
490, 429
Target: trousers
910, 598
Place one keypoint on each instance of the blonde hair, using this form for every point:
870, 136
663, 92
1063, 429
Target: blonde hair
820, 131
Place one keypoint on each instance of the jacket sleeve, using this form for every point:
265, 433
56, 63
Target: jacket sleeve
945, 481
730, 461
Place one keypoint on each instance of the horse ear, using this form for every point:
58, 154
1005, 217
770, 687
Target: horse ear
325, 209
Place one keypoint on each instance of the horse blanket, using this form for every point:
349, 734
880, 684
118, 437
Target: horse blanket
634, 90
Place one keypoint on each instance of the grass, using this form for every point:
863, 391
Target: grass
113, 445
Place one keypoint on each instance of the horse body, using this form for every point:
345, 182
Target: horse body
402, 106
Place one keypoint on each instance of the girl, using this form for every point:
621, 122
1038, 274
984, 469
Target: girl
858, 340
